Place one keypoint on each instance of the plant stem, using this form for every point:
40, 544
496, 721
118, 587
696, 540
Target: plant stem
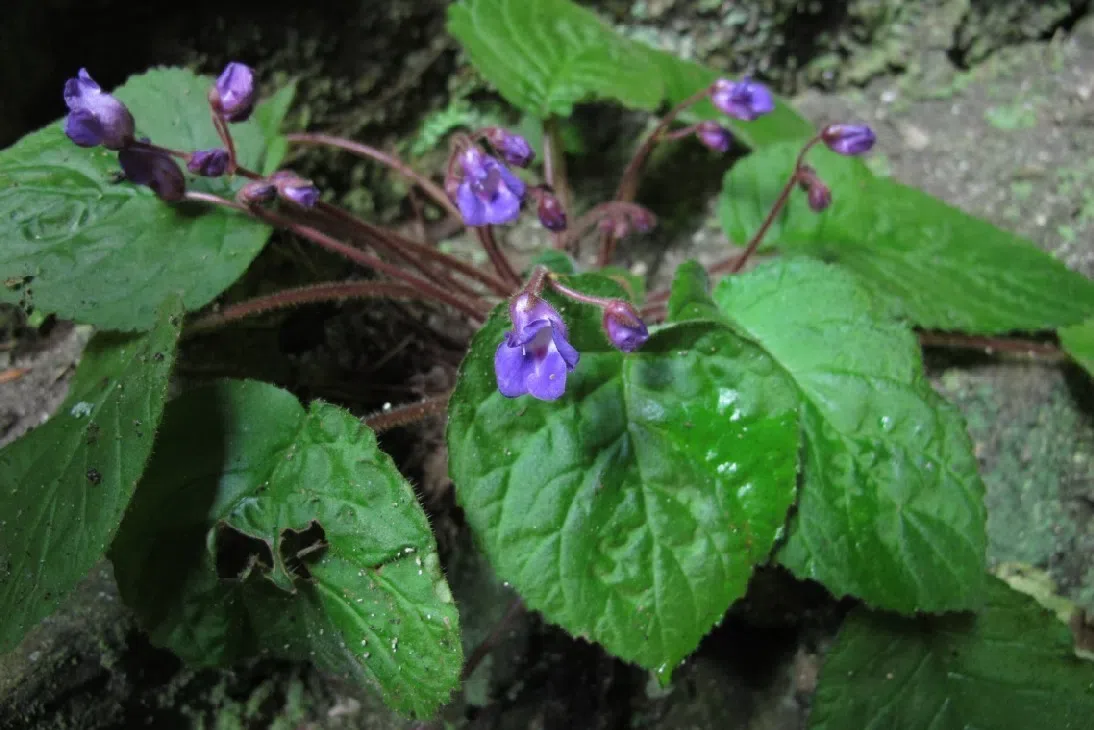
576, 295
428, 186
403, 245
407, 414
1043, 350
487, 645
554, 162
497, 258
476, 311
334, 291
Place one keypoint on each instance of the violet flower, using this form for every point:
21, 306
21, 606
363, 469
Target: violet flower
95, 117
513, 148
746, 99
488, 194
551, 213
625, 329
155, 169
295, 189
209, 163
535, 356
849, 139
233, 95
257, 191
714, 136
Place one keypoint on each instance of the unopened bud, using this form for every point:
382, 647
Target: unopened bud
209, 163
550, 212
257, 191
714, 136
513, 148
624, 328
295, 189
849, 139
233, 95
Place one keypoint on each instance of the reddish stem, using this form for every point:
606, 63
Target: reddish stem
487, 645
1044, 350
474, 310
554, 167
407, 414
497, 258
362, 150
575, 294
317, 293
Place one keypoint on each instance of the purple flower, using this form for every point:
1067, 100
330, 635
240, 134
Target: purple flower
534, 357
625, 329
257, 191
155, 169
489, 193
513, 148
210, 163
295, 189
849, 139
550, 212
745, 99
95, 118
233, 96
714, 136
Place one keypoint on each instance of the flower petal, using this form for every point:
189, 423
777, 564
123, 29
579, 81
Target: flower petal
525, 332
546, 379
510, 366
472, 209
83, 128
569, 355
504, 208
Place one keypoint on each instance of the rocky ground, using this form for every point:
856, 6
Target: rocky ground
1010, 138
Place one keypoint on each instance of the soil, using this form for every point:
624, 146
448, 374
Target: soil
994, 116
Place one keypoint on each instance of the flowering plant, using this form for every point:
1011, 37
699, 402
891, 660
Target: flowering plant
625, 460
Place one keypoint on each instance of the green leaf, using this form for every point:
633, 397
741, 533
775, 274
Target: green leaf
632, 510
1013, 666
548, 55
690, 295
891, 507
262, 528
683, 78
106, 252
1078, 342
65, 485
925, 261
270, 116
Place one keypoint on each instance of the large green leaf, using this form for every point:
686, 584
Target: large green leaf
98, 251
262, 528
632, 510
683, 78
891, 507
65, 485
545, 56
925, 261
1078, 341
1012, 667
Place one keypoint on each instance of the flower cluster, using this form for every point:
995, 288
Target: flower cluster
96, 118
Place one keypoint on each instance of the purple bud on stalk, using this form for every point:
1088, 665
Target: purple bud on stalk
625, 329
95, 118
535, 356
257, 191
208, 163
233, 95
154, 169
714, 136
817, 193
295, 189
849, 139
512, 148
488, 194
746, 99
550, 212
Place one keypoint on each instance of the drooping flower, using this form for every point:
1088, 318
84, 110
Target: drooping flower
257, 191
488, 194
551, 213
95, 117
209, 163
233, 95
295, 189
746, 99
714, 136
849, 139
535, 356
155, 169
513, 148
625, 329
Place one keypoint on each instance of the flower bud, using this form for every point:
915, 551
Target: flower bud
295, 189
209, 163
849, 139
513, 148
714, 136
95, 118
746, 99
155, 169
233, 95
817, 193
550, 212
625, 329
257, 191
